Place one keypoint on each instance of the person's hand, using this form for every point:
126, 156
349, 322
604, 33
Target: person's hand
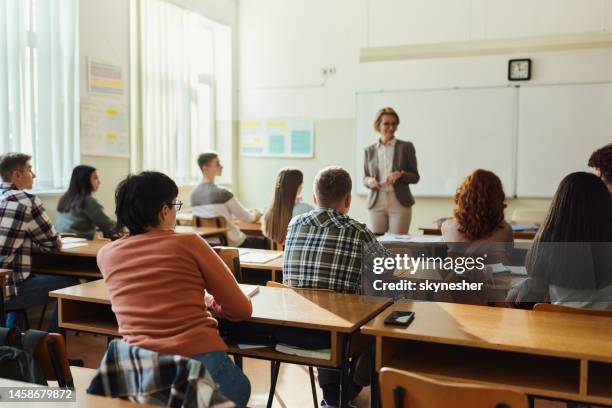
513, 297
257, 215
210, 303
373, 184
393, 177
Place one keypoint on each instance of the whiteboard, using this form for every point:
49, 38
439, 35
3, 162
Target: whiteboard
559, 127
454, 131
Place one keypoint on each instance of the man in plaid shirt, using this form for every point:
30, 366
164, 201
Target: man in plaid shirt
23, 221
324, 250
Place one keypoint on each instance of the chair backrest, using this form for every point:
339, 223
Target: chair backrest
402, 389
273, 284
50, 353
547, 307
214, 222
53, 359
275, 246
4, 273
528, 216
231, 257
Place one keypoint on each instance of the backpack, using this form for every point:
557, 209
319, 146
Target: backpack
17, 360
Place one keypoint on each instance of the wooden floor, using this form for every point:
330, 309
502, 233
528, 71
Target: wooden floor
292, 390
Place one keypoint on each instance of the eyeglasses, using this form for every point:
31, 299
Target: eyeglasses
178, 204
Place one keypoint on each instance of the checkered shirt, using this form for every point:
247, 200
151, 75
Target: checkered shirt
146, 377
23, 220
324, 249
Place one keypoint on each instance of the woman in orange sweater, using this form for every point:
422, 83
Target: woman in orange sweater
156, 279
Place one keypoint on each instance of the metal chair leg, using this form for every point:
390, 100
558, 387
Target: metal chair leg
275, 366
313, 387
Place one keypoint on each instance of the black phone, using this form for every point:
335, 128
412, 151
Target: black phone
399, 318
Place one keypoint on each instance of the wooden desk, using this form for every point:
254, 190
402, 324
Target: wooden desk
87, 308
80, 261
249, 228
82, 398
544, 354
517, 234
274, 266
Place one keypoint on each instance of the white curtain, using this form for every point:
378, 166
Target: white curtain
171, 97
39, 85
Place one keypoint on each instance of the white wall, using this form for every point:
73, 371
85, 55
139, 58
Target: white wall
284, 44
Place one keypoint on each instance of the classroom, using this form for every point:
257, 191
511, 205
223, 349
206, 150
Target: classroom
266, 203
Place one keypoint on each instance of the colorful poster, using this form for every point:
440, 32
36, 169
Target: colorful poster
104, 129
104, 79
277, 138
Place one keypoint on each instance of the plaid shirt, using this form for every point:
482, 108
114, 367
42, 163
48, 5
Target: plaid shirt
23, 220
146, 377
324, 249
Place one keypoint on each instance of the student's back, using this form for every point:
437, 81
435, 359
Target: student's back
478, 224
324, 247
209, 200
284, 205
572, 252
156, 282
157, 279
324, 250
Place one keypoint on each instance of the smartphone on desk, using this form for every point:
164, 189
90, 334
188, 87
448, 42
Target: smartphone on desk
399, 318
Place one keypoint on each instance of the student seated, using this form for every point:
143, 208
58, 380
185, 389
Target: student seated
77, 211
323, 250
23, 222
479, 218
208, 200
286, 203
601, 160
156, 280
571, 256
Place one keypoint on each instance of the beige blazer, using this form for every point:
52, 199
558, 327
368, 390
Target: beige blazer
404, 160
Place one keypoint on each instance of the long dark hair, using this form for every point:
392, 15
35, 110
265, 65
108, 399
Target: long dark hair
78, 190
280, 210
573, 246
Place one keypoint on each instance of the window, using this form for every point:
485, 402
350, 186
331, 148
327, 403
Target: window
184, 91
39, 86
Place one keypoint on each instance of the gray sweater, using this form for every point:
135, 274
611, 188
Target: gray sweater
83, 221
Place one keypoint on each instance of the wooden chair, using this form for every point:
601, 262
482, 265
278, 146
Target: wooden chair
231, 257
401, 389
275, 246
51, 355
212, 222
3, 294
547, 307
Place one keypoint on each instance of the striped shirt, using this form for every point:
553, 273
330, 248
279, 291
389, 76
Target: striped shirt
23, 221
324, 250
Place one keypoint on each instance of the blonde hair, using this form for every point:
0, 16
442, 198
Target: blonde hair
384, 111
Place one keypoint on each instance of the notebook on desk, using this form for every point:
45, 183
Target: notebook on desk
250, 290
259, 257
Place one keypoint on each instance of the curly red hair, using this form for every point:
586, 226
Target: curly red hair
479, 205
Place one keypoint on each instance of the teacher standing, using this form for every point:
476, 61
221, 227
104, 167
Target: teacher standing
390, 167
